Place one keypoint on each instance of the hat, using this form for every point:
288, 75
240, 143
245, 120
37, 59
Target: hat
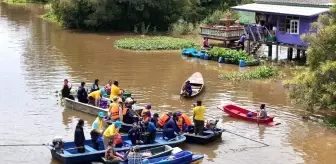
117, 124
178, 113
101, 114
148, 106
128, 100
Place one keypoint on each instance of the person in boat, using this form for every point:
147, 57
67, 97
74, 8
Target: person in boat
183, 121
187, 89
155, 119
262, 114
111, 154
109, 133
95, 86
147, 110
79, 137
82, 94
103, 92
170, 128
128, 116
151, 130
66, 90
115, 90
135, 156
206, 43
94, 97
134, 134
241, 42
108, 87
164, 119
117, 111
117, 140
97, 129
198, 117
114, 102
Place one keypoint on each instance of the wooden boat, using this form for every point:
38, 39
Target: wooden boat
71, 156
93, 110
155, 153
183, 157
197, 84
209, 135
241, 113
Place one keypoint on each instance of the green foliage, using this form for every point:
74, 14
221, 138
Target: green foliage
330, 121
129, 15
154, 43
182, 27
228, 54
26, 1
262, 72
50, 16
315, 87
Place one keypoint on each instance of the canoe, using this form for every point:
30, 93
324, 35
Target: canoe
209, 135
241, 113
71, 156
155, 153
197, 84
93, 110
183, 157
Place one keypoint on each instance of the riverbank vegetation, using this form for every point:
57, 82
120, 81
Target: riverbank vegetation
154, 43
315, 87
25, 1
261, 72
231, 56
128, 15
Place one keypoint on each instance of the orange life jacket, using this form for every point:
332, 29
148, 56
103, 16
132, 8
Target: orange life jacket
180, 122
115, 112
186, 119
162, 121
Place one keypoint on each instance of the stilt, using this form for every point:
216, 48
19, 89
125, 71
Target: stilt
297, 57
290, 53
269, 51
277, 52
304, 55
249, 46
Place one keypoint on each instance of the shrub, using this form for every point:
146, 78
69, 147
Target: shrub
232, 55
183, 28
154, 43
262, 72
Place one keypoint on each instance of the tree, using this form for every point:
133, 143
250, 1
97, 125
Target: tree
315, 87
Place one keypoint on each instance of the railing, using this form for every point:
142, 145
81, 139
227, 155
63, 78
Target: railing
258, 33
222, 31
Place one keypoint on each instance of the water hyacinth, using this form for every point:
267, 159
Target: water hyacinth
154, 43
262, 72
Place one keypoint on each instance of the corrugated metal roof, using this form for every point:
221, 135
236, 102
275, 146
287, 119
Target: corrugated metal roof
282, 9
311, 2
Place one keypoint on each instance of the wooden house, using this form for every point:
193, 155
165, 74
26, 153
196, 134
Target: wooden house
282, 22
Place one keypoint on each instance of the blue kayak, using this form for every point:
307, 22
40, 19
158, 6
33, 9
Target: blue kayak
71, 156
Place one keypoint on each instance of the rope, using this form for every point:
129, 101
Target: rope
247, 138
13, 145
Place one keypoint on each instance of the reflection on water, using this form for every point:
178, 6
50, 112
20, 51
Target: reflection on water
36, 56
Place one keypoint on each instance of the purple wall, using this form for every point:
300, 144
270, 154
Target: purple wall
295, 39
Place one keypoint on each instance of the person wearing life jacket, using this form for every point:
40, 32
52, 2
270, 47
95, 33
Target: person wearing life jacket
147, 110
170, 129
164, 119
183, 121
117, 111
97, 129
127, 112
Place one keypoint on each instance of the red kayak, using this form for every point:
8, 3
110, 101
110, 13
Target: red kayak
241, 113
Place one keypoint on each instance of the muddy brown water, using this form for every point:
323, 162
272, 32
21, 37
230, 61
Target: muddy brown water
37, 55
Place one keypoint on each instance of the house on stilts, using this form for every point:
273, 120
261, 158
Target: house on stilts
281, 23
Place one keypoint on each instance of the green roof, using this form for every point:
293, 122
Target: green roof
301, 3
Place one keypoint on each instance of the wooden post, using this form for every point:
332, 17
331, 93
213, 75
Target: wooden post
298, 51
304, 55
290, 53
269, 51
277, 52
249, 46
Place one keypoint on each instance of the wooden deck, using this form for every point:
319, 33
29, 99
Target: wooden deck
222, 33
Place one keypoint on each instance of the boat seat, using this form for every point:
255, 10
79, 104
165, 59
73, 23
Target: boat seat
89, 148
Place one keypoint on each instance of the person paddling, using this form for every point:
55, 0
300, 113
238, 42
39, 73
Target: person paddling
187, 89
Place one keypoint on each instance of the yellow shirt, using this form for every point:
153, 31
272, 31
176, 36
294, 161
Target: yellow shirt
111, 131
199, 113
95, 94
115, 91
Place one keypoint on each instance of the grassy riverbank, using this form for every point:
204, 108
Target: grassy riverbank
51, 17
261, 72
330, 121
154, 43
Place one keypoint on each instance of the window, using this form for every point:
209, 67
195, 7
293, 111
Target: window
294, 27
289, 24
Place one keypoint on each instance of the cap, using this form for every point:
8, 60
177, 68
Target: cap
148, 106
117, 124
101, 114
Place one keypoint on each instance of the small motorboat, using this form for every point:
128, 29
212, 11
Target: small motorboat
152, 153
183, 157
67, 153
210, 133
241, 113
197, 84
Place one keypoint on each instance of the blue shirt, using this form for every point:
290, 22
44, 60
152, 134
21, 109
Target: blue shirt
151, 127
242, 39
95, 124
172, 124
188, 88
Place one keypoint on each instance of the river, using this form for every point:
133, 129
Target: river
36, 56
